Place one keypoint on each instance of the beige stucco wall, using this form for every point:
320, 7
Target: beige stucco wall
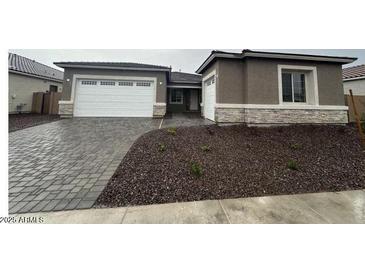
255, 81
161, 79
357, 86
358, 90
23, 87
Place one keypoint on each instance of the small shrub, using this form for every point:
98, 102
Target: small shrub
295, 146
205, 148
172, 131
196, 169
292, 165
161, 148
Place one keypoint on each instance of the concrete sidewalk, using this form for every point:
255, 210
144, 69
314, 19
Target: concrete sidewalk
339, 207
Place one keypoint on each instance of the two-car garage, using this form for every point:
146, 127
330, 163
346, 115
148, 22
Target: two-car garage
113, 89
114, 97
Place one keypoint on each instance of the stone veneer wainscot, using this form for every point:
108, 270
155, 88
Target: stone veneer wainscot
281, 116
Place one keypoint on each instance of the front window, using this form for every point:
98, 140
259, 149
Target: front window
176, 97
294, 88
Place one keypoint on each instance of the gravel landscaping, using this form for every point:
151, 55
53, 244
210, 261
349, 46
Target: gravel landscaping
21, 121
211, 162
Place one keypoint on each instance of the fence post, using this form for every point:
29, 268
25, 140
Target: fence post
358, 122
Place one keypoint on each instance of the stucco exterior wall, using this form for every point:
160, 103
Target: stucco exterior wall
231, 82
255, 81
160, 88
23, 87
357, 86
263, 83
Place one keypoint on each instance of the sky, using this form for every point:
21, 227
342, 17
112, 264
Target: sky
186, 60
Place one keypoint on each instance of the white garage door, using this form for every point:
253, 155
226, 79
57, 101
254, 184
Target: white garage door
209, 99
113, 98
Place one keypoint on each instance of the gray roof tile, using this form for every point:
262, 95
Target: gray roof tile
182, 77
353, 72
22, 64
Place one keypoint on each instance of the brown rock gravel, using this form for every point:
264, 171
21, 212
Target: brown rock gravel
21, 121
241, 162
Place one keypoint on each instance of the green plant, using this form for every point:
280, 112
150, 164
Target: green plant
295, 146
292, 165
161, 148
205, 148
196, 169
172, 131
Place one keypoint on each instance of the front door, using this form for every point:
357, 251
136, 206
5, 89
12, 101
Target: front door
194, 100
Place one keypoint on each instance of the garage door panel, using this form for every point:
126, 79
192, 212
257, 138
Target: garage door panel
209, 99
113, 101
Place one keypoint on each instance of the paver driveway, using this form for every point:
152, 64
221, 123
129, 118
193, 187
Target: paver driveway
66, 164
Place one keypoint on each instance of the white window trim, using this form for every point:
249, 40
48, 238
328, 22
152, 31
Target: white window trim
77, 77
176, 103
303, 68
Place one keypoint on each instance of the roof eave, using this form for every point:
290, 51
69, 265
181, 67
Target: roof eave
63, 65
268, 55
186, 82
35, 76
353, 79
214, 55
333, 59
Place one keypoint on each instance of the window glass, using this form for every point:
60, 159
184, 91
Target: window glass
126, 83
293, 87
143, 84
107, 83
176, 97
299, 87
92, 83
287, 87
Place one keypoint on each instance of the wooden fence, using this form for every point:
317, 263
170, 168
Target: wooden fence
360, 106
46, 103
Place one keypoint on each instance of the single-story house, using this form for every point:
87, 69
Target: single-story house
249, 87
354, 79
103, 89
268, 88
27, 76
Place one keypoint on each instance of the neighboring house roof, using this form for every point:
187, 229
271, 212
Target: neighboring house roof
182, 77
22, 65
353, 73
272, 55
112, 65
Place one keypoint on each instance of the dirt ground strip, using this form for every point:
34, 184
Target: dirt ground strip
21, 121
236, 161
